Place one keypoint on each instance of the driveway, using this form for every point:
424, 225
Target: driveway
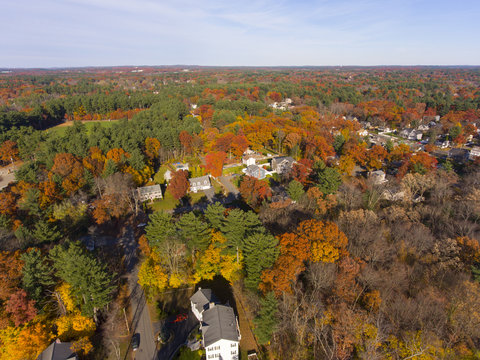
141, 323
7, 175
181, 330
210, 193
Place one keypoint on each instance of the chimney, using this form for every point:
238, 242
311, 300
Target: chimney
211, 305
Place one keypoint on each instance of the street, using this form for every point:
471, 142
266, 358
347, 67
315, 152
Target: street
141, 323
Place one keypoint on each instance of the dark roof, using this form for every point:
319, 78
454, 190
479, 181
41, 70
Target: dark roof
202, 298
219, 323
58, 351
279, 159
202, 180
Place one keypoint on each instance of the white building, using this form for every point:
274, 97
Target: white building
151, 193
219, 326
474, 153
200, 183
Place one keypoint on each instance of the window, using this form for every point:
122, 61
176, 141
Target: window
233, 353
233, 345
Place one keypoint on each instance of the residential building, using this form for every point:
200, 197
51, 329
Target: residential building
378, 176
180, 166
58, 351
200, 183
459, 155
255, 171
248, 160
149, 193
282, 164
168, 175
219, 326
474, 152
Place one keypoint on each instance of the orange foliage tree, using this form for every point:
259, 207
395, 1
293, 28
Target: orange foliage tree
254, 191
179, 184
9, 151
214, 162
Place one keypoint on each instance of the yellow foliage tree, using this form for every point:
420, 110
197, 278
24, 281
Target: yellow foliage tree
64, 290
152, 277
73, 326
25, 343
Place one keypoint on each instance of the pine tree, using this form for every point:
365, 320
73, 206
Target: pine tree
215, 215
44, 232
37, 276
265, 322
295, 190
260, 252
194, 232
160, 228
90, 281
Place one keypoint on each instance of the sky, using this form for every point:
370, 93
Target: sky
72, 33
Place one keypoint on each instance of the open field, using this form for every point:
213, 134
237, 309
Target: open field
60, 129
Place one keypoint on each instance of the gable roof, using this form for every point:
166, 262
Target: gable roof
202, 180
58, 351
219, 323
149, 189
202, 298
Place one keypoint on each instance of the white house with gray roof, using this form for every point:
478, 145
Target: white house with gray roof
219, 326
200, 183
149, 193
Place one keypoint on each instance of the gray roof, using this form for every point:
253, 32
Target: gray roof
279, 159
202, 298
149, 189
201, 180
219, 323
58, 351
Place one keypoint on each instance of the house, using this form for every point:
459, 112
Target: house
248, 160
474, 153
282, 164
200, 183
255, 171
459, 155
168, 175
362, 132
149, 193
219, 326
58, 351
200, 301
180, 166
378, 176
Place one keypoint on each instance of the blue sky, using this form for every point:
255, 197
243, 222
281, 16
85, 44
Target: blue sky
59, 33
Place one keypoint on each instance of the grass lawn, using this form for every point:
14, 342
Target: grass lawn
60, 129
233, 170
167, 203
216, 186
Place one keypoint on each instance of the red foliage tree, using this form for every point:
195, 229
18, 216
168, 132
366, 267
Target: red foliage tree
254, 191
214, 162
20, 308
179, 184
186, 140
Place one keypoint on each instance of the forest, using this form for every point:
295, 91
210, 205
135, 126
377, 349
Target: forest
330, 261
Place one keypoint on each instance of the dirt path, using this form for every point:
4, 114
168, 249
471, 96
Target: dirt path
248, 341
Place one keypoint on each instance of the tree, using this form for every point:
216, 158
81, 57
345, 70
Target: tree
152, 277
194, 232
254, 191
239, 224
214, 162
179, 184
160, 228
375, 157
186, 140
21, 308
36, 275
46, 232
295, 190
152, 148
8, 203
260, 252
10, 273
90, 282
71, 171
329, 179
9, 152
215, 214
266, 322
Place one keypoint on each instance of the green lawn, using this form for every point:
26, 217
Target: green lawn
60, 129
167, 203
233, 170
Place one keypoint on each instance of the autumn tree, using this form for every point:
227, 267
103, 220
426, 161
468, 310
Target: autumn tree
152, 148
375, 157
214, 162
21, 308
9, 152
71, 171
179, 184
254, 191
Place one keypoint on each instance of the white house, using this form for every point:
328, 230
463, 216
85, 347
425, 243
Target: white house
167, 176
219, 326
149, 193
474, 153
200, 183
248, 160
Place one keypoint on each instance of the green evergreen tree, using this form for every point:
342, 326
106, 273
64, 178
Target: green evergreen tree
194, 232
329, 179
36, 275
160, 228
215, 215
90, 281
295, 190
265, 322
110, 168
260, 252
45, 232
238, 225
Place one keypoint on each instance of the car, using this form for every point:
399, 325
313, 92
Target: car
135, 341
141, 225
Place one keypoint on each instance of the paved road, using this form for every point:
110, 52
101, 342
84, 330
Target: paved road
7, 175
141, 323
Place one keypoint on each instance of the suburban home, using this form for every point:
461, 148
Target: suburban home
255, 171
180, 166
200, 183
58, 351
248, 160
474, 153
282, 164
151, 193
168, 175
219, 326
